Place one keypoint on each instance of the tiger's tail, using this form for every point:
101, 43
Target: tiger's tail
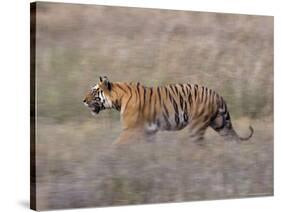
221, 123
249, 136
232, 135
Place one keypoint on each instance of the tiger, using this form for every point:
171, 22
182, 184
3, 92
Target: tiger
146, 110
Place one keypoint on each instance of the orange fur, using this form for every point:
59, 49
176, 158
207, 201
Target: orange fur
145, 110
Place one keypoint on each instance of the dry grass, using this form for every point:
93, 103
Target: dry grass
76, 164
76, 44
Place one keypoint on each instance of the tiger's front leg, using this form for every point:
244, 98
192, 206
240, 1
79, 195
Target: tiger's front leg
130, 135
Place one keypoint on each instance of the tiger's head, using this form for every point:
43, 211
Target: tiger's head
97, 98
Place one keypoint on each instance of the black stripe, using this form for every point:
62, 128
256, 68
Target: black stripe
166, 110
195, 92
182, 88
172, 89
129, 97
170, 97
188, 89
217, 100
159, 94
227, 116
166, 91
137, 97
175, 106
213, 98
167, 121
221, 102
144, 93
151, 92
101, 96
185, 106
185, 117
177, 120
117, 105
210, 94
119, 86
225, 106
177, 91
154, 110
138, 90
201, 112
139, 94
149, 101
129, 88
206, 99
181, 102
202, 94
202, 127
190, 99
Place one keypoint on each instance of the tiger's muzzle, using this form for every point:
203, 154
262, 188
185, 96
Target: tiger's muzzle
94, 106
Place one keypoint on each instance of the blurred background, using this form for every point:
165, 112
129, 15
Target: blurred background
76, 164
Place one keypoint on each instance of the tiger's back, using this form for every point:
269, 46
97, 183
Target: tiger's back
171, 107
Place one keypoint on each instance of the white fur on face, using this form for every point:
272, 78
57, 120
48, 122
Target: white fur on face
107, 103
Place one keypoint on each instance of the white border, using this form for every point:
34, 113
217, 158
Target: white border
14, 136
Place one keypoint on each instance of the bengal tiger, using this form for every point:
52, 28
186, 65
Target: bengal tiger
146, 110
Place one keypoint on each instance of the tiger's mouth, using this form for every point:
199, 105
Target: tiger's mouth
95, 110
95, 107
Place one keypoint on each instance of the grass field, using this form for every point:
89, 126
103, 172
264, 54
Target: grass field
76, 164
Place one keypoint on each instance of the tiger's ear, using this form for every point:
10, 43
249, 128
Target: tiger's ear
106, 82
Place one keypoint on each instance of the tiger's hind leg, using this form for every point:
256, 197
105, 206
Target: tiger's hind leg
197, 130
223, 126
